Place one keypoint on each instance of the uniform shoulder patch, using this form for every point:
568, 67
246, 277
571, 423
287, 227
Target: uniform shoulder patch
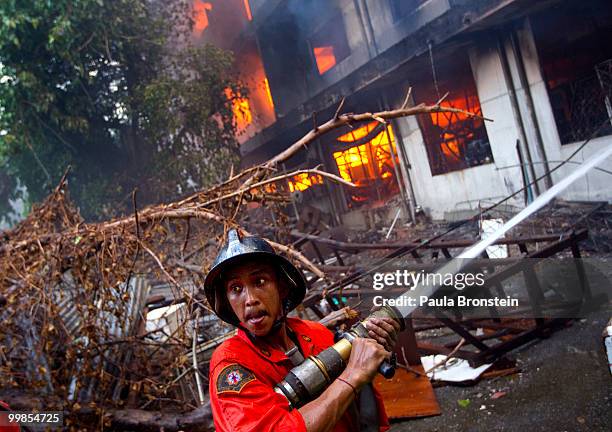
233, 378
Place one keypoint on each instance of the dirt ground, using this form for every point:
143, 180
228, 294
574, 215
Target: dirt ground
565, 385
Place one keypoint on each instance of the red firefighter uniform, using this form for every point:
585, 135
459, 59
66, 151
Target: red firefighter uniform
243, 376
5, 425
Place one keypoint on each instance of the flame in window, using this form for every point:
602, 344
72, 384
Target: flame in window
200, 16
268, 92
325, 58
444, 119
357, 134
303, 181
365, 163
241, 109
247, 9
453, 127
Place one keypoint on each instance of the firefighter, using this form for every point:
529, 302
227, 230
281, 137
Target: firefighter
253, 288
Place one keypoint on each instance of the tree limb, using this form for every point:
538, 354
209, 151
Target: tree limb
297, 256
198, 420
346, 119
275, 179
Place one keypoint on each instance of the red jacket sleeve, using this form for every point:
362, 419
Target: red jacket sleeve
240, 403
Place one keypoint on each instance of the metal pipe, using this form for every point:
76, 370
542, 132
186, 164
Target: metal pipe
403, 164
369, 26
516, 112
364, 31
393, 223
377, 174
516, 50
330, 195
194, 353
556, 161
408, 244
398, 178
528, 192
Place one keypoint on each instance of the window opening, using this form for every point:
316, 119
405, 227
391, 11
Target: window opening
571, 60
454, 141
329, 44
368, 163
303, 181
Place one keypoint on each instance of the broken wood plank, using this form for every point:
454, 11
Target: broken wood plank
408, 395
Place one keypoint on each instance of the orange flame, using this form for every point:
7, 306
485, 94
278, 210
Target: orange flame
303, 181
325, 58
444, 119
241, 109
268, 92
247, 8
449, 122
359, 164
200, 16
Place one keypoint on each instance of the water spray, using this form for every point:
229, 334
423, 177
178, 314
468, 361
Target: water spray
308, 380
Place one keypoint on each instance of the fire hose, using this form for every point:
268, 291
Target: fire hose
308, 380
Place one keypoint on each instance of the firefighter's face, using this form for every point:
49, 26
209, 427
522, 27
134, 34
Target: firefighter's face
255, 295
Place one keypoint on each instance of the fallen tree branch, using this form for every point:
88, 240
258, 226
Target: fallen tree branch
275, 179
310, 266
198, 420
346, 119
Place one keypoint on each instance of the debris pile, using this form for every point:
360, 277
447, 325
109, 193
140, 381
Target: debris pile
74, 297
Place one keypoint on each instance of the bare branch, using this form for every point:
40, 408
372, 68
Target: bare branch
299, 257
337, 113
275, 179
346, 119
442, 98
161, 266
407, 99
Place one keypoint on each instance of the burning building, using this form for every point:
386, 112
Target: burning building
226, 24
541, 70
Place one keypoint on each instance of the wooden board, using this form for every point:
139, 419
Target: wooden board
407, 395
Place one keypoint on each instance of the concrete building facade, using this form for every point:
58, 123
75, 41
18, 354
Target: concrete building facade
542, 71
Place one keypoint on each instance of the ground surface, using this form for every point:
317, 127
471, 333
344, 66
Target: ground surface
565, 385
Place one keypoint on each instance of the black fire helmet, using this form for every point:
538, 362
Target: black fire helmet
238, 249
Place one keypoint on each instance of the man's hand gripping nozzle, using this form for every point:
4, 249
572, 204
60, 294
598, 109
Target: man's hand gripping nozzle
307, 381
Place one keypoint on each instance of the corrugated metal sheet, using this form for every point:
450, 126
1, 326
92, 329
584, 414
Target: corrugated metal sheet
68, 296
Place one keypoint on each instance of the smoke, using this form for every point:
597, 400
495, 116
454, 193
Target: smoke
307, 13
288, 38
